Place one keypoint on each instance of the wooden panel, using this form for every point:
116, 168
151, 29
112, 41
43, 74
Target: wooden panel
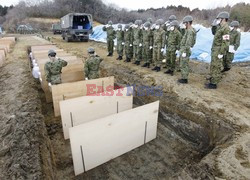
12, 39
43, 47
88, 108
5, 47
102, 140
44, 53
70, 73
77, 89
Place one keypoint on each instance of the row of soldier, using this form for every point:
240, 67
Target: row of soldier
147, 42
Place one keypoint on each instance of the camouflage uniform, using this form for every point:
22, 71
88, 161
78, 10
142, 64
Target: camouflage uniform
173, 44
91, 67
220, 47
128, 38
159, 43
147, 36
187, 42
53, 70
235, 37
120, 41
110, 38
137, 37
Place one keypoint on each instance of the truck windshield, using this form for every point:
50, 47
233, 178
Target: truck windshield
81, 22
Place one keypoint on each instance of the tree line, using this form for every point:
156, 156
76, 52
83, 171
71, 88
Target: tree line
103, 12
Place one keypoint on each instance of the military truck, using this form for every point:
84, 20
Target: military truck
76, 26
56, 28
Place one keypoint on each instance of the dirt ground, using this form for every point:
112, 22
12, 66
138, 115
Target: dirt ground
202, 134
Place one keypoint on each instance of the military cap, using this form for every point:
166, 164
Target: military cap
91, 50
150, 20
127, 26
110, 23
187, 19
119, 26
223, 15
174, 23
172, 18
234, 24
147, 24
51, 52
158, 22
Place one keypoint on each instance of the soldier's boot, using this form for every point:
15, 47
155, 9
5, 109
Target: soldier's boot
148, 65
120, 57
158, 69
135, 62
168, 72
145, 65
128, 60
183, 81
110, 54
138, 63
154, 69
225, 69
211, 86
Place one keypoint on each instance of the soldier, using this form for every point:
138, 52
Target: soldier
137, 43
186, 46
110, 37
167, 23
91, 66
219, 49
158, 45
128, 39
150, 20
53, 68
173, 46
120, 42
147, 36
235, 37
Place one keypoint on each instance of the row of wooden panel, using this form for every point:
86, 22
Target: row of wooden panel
6, 43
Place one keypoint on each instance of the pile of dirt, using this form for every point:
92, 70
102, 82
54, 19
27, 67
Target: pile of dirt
22, 131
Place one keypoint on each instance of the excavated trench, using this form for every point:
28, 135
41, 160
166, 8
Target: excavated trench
186, 134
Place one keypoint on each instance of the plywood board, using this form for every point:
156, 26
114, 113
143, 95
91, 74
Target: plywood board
102, 140
70, 73
5, 47
43, 47
12, 39
88, 108
77, 89
44, 53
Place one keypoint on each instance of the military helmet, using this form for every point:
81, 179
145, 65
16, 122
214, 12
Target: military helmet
174, 23
91, 50
159, 22
187, 19
119, 26
234, 24
147, 24
127, 26
110, 23
51, 52
223, 15
130, 24
137, 22
172, 18
140, 22
150, 20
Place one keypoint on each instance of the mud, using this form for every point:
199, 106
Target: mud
202, 134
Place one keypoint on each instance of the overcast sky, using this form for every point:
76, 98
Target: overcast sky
144, 4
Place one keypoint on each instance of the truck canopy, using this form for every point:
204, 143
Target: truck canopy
77, 21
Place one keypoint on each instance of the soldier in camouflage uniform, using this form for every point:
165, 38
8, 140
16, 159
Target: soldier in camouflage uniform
173, 45
120, 41
167, 23
128, 39
235, 37
187, 42
220, 48
91, 66
137, 43
110, 37
158, 45
53, 68
147, 37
